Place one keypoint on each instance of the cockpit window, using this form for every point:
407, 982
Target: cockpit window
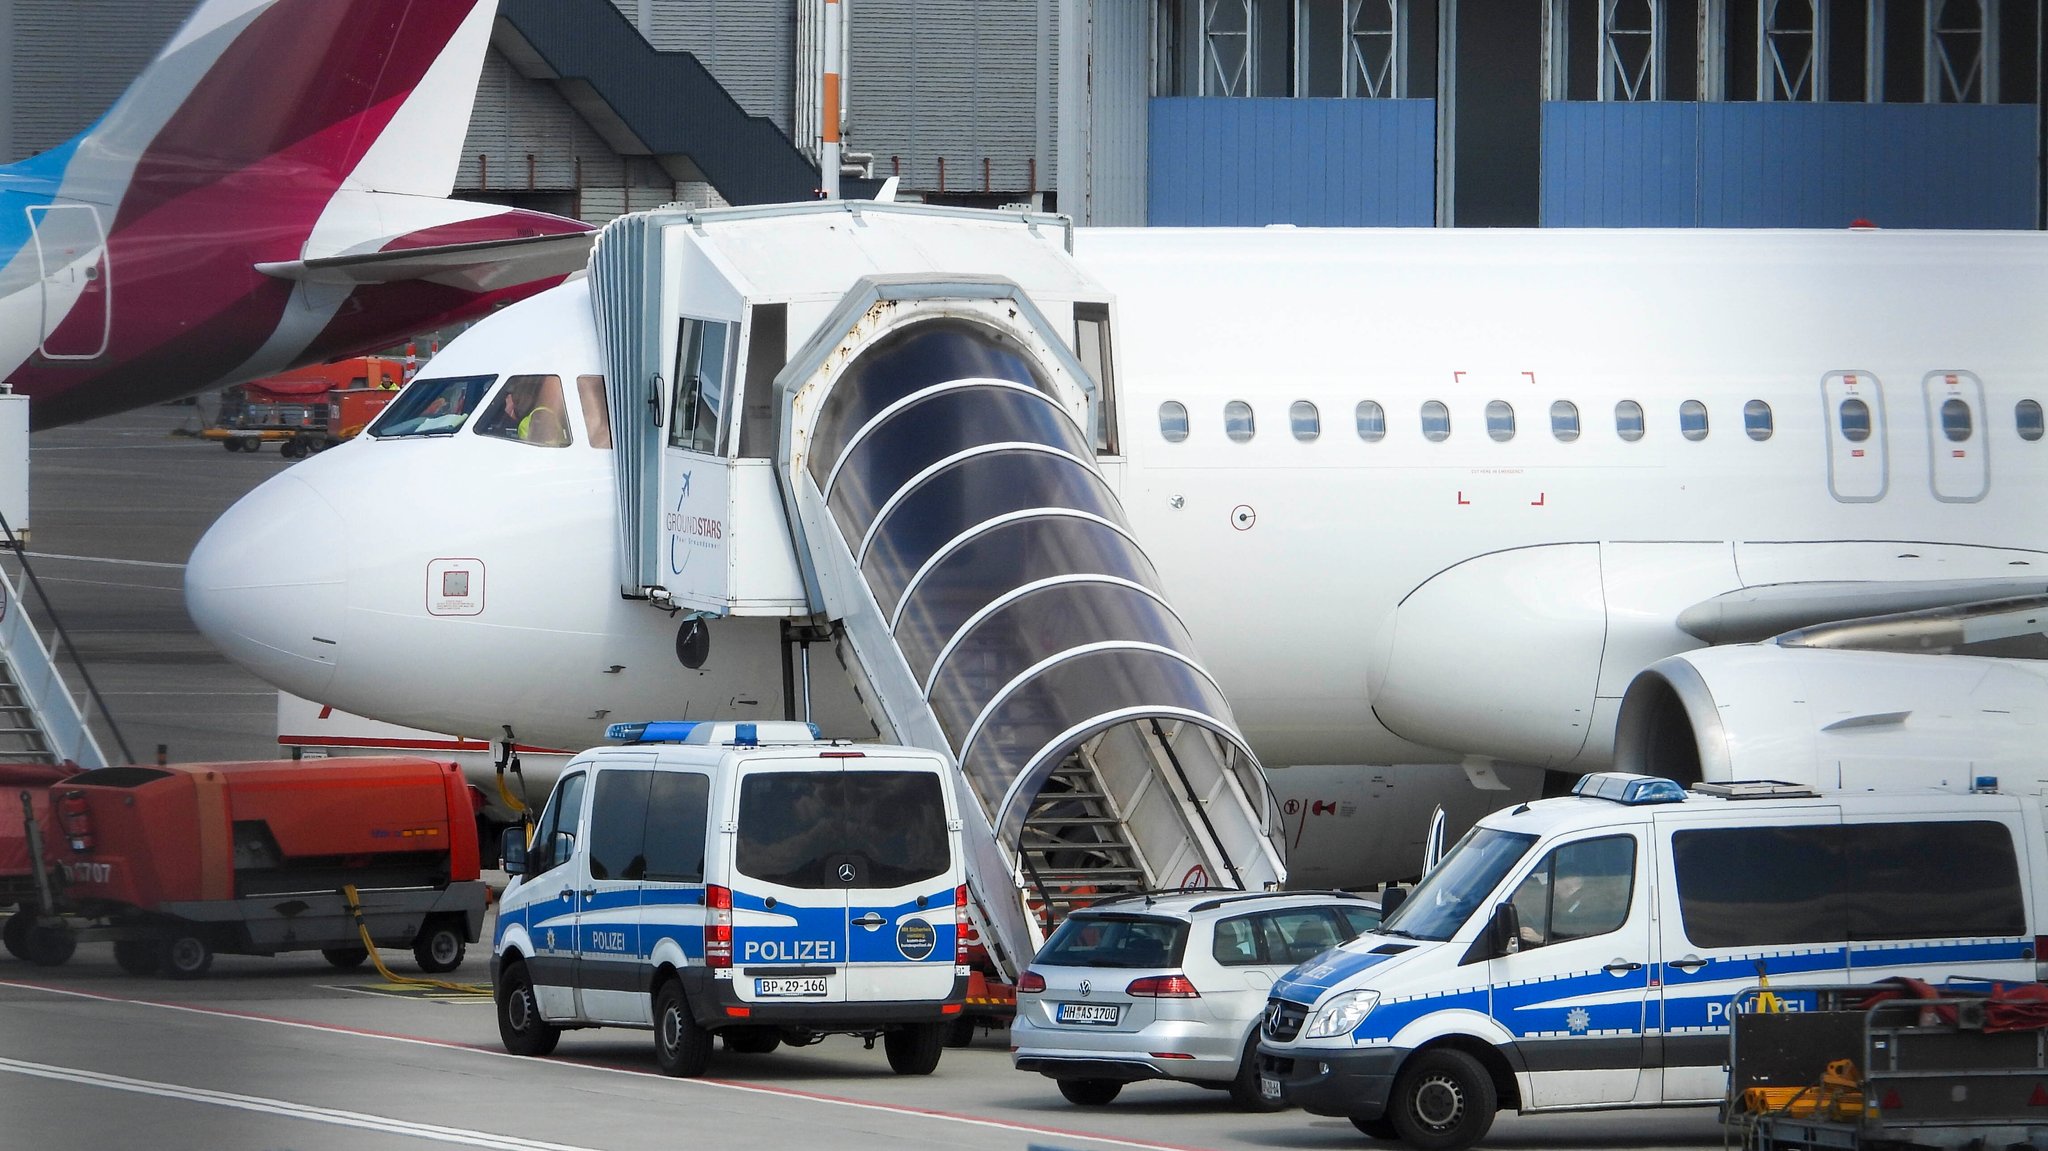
529, 409
436, 407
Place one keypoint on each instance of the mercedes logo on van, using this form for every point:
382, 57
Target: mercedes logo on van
1087, 988
846, 873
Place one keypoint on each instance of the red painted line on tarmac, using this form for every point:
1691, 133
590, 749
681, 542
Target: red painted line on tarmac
618, 1069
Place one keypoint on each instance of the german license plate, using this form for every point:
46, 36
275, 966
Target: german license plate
1269, 1087
1101, 1014
802, 985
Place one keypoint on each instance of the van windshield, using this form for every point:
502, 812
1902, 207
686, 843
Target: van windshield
1446, 897
836, 829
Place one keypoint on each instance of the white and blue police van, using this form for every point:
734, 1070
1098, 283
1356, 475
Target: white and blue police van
1581, 952
744, 880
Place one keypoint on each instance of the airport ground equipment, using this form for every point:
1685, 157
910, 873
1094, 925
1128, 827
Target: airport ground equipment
176, 863
1899, 1064
305, 410
888, 425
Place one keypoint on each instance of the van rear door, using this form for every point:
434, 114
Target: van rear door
900, 909
790, 878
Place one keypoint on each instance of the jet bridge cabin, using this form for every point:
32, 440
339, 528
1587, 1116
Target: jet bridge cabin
892, 426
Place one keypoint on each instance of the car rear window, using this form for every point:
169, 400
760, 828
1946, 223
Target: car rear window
1116, 941
797, 828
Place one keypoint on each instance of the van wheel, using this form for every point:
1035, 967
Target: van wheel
345, 958
960, 1032
138, 956
1245, 1094
915, 1050
1380, 1128
186, 956
520, 1027
439, 947
1090, 1092
680, 1046
751, 1041
1443, 1101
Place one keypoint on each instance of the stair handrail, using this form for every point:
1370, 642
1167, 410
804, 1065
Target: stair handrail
49, 608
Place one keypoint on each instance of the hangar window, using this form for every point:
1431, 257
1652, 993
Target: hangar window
1628, 420
2027, 415
529, 409
1955, 420
1436, 422
1372, 421
1500, 421
1692, 420
1306, 421
1237, 422
1854, 415
1756, 420
1564, 420
1173, 421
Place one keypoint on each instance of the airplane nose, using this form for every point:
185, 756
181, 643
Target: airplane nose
268, 588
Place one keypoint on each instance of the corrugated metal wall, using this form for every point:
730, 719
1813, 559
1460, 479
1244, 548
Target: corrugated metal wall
1789, 165
515, 117
69, 60
947, 79
1122, 90
1324, 162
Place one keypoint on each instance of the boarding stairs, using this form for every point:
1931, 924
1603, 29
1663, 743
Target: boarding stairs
957, 537
40, 721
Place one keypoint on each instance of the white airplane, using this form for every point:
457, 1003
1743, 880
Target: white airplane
1428, 503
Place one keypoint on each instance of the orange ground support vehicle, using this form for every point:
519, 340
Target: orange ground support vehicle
306, 409
174, 864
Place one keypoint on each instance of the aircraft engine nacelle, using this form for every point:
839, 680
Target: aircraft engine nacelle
1836, 719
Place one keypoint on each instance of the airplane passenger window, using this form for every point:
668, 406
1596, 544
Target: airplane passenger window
1306, 421
2028, 416
1855, 419
1628, 420
1564, 420
597, 418
528, 409
1173, 421
1692, 420
1500, 421
1756, 420
1436, 422
1237, 421
1372, 421
437, 407
1955, 420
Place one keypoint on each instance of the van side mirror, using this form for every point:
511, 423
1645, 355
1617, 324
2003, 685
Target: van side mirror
1504, 931
1391, 899
512, 849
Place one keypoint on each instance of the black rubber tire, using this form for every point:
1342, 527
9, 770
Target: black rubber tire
1443, 1100
520, 1027
50, 944
440, 947
915, 1049
138, 956
1244, 1086
345, 958
1090, 1092
185, 956
1380, 1128
751, 1040
681, 1048
15, 935
960, 1032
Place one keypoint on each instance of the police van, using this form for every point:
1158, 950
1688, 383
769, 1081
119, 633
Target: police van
1581, 952
750, 881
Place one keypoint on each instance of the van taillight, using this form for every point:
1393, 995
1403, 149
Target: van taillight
960, 924
717, 926
1032, 982
75, 818
1163, 987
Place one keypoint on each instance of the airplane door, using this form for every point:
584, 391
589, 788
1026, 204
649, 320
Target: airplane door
1856, 448
1959, 461
696, 478
1573, 994
71, 248
610, 984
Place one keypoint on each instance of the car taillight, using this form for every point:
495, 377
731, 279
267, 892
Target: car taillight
961, 926
717, 926
1163, 987
75, 817
1032, 981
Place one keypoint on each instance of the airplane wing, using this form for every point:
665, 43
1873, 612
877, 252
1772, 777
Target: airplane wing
476, 266
1755, 614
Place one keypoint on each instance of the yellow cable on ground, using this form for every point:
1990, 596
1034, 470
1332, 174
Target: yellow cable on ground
355, 907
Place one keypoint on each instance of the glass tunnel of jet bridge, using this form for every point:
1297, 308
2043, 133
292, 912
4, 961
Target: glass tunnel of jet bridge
854, 434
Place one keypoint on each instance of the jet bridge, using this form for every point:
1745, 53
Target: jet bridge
869, 420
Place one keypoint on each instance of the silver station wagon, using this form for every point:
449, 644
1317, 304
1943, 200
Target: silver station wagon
1170, 987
